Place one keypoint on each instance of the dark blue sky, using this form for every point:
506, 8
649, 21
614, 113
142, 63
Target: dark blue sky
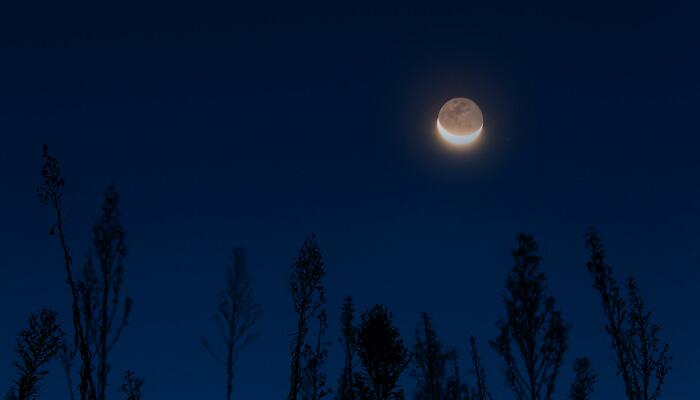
232, 125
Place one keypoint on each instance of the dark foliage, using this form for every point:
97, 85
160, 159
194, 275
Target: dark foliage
346, 382
642, 361
236, 316
51, 193
308, 296
533, 325
131, 386
582, 387
383, 355
36, 345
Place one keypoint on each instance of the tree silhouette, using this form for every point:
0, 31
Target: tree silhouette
437, 370
585, 378
131, 386
51, 193
308, 296
533, 325
346, 382
236, 316
430, 360
642, 361
36, 345
313, 379
455, 389
480, 390
383, 355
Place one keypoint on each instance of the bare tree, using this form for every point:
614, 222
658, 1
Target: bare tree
236, 316
642, 361
313, 379
346, 382
36, 346
308, 296
383, 355
51, 193
534, 325
582, 387
131, 386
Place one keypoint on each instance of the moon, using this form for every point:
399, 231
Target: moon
460, 121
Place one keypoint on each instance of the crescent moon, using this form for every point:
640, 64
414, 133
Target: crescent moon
458, 139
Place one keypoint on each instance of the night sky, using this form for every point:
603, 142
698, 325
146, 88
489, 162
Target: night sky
227, 126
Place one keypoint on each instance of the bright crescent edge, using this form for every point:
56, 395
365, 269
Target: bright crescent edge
458, 139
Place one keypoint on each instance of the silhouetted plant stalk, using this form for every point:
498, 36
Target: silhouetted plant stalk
110, 248
642, 361
533, 325
480, 391
88, 293
308, 296
346, 382
51, 193
36, 345
383, 355
236, 317
100, 292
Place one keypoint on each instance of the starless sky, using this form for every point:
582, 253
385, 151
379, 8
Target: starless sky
256, 125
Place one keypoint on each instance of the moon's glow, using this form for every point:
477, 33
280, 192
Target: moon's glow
460, 121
